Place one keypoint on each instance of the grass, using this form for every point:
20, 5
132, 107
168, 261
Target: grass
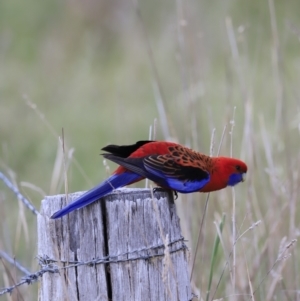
104, 74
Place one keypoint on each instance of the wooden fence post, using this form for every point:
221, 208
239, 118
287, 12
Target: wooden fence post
128, 246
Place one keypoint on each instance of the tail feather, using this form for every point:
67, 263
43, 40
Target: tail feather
113, 182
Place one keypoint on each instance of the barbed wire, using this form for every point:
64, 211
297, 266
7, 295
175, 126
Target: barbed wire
29, 277
14, 262
19, 195
50, 265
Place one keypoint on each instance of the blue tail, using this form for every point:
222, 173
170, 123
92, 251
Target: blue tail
113, 182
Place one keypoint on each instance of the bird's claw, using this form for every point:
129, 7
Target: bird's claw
159, 188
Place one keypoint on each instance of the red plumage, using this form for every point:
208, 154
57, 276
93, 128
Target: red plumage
219, 168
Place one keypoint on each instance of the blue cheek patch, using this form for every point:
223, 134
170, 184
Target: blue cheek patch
235, 179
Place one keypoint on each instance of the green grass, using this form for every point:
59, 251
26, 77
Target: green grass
87, 68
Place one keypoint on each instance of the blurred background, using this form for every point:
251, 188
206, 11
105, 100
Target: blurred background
105, 71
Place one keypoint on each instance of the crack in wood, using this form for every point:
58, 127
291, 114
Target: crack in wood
106, 248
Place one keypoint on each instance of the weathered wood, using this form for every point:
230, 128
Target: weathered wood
128, 224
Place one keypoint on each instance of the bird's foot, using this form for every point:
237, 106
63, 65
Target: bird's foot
155, 189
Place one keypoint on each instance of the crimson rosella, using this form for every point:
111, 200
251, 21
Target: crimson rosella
169, 165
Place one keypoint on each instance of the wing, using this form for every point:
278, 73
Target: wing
166, 171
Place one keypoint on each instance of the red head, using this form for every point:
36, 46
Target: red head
225, 172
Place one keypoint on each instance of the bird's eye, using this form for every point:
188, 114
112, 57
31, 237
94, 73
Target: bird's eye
238, 167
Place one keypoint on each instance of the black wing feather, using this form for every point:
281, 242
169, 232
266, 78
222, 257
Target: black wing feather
124, 151
162, 165
133, 164
167, 165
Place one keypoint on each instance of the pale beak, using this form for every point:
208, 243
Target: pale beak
243, 177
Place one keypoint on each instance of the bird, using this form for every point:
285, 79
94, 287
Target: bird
168, 164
